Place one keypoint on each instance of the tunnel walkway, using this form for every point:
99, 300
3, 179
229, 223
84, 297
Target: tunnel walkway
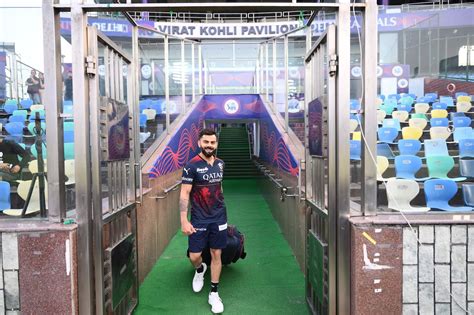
267, 281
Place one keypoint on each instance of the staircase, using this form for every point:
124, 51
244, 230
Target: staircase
234, 150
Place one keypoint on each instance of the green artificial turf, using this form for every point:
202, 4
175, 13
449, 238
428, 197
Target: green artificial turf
267, 281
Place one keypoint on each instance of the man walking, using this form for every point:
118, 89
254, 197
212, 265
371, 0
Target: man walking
33, 84
202, 182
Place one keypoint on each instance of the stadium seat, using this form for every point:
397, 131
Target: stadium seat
456, 114
400, 192
401, 115
466, 148
414, 133
463, 107
387, 135
406, 104
422, 108
378, 102
380, 116
33, 114
150, 113
382, 166
15, 129
439, 113
391, 123
406, 166
357, 135
439, 192
68, 136
439, 133
462, 121
68, 110
34, 152
354, 105
20, 112
468, 194
9, 108
34, 204
431, 97
419, 115
17, 118
353, 124
448, 100
466, 168
440, 165
463, 98
389, 106
67, 103
4, 195
394, 96
355, 150
457, 94
463, 133
36, 107
383, 149
381, 96
144, 104
409, 147
69, 151
435, 147
418, 123
439, 105
26, 104
439, 122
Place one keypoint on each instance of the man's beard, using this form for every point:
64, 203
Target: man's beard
208, 154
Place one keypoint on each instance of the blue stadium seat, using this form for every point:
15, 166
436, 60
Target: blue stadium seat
156, 105
439, 192
4, 195
144, 104
456, 114
435, 147
26, 104
463, 133
439, 105
21, 112
423, 100
17, 118
466, 168
381, 96
468, 194
9, 108
439, 122
466, 148
67, 103
391, 123
355, 104
406, 166
406, 104
462, 121
68, 136
394, 96
431, 96
409, 146
383, 149
387, 135
355, 150
389, 106
15, 129
448, 100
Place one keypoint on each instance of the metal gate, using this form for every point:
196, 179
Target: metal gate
114, 162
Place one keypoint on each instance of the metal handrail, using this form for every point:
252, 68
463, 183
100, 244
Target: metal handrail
167, 190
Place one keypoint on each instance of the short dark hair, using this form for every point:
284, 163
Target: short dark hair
207, 132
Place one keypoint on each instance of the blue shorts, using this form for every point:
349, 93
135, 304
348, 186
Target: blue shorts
210, 235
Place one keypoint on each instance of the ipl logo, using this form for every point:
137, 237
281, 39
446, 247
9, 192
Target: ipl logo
231, 106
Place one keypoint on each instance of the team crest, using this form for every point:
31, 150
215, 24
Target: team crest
221, 166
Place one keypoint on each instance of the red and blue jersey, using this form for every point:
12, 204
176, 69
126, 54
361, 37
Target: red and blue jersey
207, 199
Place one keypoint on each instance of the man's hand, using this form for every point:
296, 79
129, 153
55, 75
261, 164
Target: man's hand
5, 167
15, 169
187, 228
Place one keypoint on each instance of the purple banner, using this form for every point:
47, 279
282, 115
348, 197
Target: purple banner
3, 75
118, 130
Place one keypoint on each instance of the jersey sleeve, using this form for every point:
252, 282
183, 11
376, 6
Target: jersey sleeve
188, 174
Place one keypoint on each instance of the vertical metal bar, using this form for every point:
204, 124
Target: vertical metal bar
133, 99
120, 77
206, 79
110, 189
343, 162
107, 72
193, 75
53, 97
369, 189
285, 57
117, 76
274, 76
116, 185
82, 147
257, 72
167, 84
267, 74
200, 68
183, 73
262, 55
95, 172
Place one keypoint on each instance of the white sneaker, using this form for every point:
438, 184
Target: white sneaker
198, 280
216, 303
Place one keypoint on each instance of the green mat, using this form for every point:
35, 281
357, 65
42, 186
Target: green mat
268, 281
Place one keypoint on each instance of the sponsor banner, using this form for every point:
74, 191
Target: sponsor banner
386, 23
315, 122
3, 75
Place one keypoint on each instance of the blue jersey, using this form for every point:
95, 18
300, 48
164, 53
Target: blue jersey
207, 199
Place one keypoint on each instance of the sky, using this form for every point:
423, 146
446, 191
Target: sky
21, 23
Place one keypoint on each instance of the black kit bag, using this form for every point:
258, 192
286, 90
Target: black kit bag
234, 250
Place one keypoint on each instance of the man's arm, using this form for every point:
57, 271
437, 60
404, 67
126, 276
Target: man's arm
186, 227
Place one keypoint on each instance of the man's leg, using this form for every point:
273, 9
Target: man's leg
196, 259
216, 265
